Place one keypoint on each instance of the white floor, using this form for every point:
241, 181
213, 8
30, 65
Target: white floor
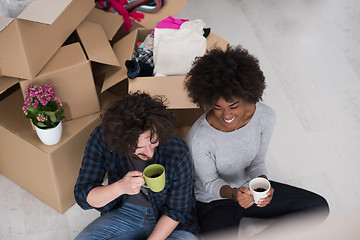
310, 53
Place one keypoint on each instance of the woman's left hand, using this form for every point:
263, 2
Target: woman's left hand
265, 201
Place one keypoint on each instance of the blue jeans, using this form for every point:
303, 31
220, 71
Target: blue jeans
130, 222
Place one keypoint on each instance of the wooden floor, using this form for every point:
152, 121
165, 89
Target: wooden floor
309, 51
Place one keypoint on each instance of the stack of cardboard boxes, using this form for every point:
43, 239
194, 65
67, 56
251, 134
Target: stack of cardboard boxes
81, 51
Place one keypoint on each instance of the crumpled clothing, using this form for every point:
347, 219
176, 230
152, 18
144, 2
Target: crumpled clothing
143, 55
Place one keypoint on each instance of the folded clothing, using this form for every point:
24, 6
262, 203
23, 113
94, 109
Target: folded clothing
170, 23
175, 50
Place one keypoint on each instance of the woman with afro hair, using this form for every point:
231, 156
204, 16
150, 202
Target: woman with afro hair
228, 144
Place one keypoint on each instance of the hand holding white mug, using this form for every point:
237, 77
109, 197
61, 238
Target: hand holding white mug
265, 201
261, 191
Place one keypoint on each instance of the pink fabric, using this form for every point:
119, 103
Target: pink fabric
170, 22
118, 5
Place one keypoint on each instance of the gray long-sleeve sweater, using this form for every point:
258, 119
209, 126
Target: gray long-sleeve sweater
229, 158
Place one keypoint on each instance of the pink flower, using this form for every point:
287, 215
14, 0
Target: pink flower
41, 118
36, 103
38, 97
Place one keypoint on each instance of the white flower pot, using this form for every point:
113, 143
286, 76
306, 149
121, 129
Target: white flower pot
50, 136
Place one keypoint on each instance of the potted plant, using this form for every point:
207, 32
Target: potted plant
44, 108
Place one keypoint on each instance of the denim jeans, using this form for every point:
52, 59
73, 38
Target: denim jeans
130, 222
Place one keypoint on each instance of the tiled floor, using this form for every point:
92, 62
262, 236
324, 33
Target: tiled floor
309, 51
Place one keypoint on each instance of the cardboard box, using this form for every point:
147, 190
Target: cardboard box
172, 87
185, 118
28, 42
70, 72
110, 22
6, 83
48, 172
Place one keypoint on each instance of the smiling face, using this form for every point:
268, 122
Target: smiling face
229, 116
146, 146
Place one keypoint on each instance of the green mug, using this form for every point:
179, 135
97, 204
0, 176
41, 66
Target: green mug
154, 176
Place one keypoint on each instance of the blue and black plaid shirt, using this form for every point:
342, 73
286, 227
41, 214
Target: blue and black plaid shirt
177, 200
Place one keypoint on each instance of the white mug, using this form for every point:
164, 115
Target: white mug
259, 188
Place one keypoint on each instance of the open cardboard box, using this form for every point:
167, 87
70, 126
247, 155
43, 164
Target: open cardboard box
69, 71
172, 87
48, 172
28, 42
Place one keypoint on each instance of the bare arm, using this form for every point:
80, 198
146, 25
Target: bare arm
102, 195
242, 195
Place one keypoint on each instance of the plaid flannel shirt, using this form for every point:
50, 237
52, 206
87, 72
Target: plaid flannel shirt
177, 200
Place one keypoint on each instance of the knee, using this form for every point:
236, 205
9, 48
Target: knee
321, 206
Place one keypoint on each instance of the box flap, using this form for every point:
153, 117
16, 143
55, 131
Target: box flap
171, 8
4, 21
6, 83
172, 87
13, 57
44, 11
96, 44
109, 21
14, 119
62, 60
123, 50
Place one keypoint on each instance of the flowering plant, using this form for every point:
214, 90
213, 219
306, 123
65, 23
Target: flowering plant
42, 106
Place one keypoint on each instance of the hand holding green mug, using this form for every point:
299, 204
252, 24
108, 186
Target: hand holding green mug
154, 176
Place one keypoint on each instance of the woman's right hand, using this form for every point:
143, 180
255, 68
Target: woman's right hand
243, 196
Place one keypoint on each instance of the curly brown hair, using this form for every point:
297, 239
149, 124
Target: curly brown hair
133, 115
225, 73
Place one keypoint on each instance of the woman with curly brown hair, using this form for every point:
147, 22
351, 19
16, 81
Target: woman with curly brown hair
137, 131
228, 143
